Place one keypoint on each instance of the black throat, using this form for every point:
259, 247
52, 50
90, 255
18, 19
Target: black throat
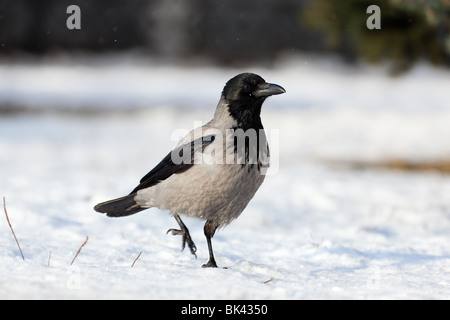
247, 113
248, 118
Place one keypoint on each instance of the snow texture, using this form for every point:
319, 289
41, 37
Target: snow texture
315, 229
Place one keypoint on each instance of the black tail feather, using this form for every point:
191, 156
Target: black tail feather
119, 207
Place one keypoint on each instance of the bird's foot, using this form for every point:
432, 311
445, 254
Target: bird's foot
186, 238
210, 264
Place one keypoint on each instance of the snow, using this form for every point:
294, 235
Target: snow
315, 230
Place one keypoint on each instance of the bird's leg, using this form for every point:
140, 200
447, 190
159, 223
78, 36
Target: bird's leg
186, 237
210, 229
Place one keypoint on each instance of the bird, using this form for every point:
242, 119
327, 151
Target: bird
214, 171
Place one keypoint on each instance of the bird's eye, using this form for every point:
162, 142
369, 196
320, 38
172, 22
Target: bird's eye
245, 87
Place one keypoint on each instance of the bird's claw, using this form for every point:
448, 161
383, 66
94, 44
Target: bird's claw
210, 264
186, 238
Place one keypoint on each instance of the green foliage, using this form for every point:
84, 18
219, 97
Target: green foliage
410, 29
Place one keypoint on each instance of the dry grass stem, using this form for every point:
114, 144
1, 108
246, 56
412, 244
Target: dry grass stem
267, 281
441, 166
10, 226
79, 250
132, 265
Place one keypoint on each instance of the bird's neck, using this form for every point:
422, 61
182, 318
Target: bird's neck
245, 117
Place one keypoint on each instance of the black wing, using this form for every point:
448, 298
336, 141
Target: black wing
184, 160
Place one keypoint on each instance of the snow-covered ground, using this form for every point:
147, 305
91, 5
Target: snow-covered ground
314, 230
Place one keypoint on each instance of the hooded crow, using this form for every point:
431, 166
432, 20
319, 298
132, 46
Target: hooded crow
214, 171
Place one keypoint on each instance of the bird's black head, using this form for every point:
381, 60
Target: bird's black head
245, 94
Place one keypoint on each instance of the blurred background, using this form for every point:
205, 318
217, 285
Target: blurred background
231, 32
374, 93
358, 84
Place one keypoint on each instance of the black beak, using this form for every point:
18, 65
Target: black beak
268, 89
